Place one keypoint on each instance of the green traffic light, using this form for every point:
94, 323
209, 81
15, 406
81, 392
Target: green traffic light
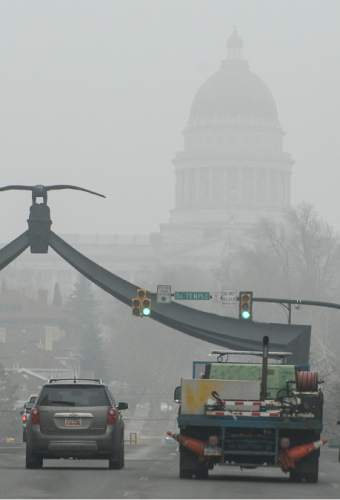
245, 314
146, 311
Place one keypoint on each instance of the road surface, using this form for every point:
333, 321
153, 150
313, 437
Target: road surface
152, 472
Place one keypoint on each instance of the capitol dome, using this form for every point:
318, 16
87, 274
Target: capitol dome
232, 170
233, 91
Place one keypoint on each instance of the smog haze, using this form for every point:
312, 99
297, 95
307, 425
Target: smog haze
98, 93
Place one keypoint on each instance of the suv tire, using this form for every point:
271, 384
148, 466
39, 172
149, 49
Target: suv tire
33, 461
117, 460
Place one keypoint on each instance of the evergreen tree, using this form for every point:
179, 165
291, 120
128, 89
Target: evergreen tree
9, 419
86, 334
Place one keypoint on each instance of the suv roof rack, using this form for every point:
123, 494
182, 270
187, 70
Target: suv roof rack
75, 380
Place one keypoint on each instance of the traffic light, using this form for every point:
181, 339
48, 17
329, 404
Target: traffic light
141, 305
146, 307
246, 305
136, 307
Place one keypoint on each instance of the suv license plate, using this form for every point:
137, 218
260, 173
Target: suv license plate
72, 422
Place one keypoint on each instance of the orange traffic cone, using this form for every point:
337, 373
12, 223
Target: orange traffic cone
285, 461
288, 457
192, 444
298, 452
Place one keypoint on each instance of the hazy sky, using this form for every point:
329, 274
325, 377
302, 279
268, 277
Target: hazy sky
97, 93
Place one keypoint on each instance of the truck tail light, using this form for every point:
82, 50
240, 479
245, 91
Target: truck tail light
35, 416
112, 415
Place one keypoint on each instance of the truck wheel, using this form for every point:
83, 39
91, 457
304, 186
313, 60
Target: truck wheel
295, 476
312, 471
307, 469
186, 467
185, 474
33, 461
190, 466
202, 472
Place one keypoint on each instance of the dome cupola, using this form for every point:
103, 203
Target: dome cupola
235, 45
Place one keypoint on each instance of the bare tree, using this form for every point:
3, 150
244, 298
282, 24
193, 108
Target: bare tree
297, 258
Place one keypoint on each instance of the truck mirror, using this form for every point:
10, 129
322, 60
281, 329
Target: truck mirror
177, 394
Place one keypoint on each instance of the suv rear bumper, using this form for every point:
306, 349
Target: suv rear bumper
82, 446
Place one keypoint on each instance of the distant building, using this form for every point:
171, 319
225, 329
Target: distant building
231, 172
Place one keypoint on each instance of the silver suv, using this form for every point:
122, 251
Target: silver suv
75, 418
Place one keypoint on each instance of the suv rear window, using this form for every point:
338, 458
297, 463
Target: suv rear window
73, 395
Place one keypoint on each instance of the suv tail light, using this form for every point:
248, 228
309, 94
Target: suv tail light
24, 418
111, 416
35, 416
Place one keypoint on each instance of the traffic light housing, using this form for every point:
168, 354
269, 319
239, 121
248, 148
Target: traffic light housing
141, 304
146, 307
136, 310
246, 306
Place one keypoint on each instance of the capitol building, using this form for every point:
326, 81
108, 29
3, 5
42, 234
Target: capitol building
231, 172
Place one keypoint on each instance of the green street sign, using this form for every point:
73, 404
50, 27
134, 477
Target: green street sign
192, 296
